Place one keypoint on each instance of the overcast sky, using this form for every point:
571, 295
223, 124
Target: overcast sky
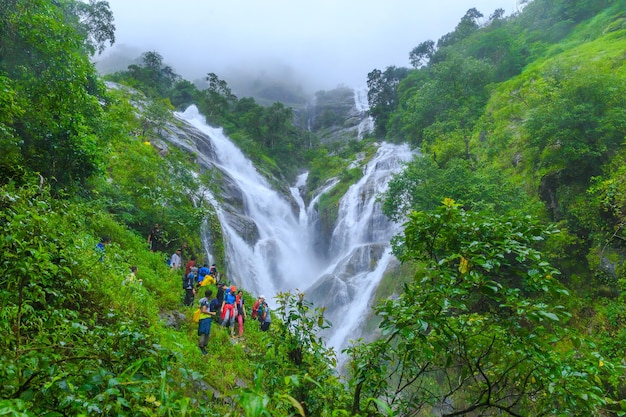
323, 43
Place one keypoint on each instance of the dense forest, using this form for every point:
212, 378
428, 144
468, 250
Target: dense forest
510, 296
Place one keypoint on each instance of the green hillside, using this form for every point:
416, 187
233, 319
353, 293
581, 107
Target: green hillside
510, 296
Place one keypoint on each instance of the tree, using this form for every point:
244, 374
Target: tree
218, 98
55, 93
496, 16
276, 121
184, 93
382, 95
155, 73
150, 75
467, 26
577, 121
423, 184
421, 54
93, 21
451, 99
298, 369
481, 328
157, 114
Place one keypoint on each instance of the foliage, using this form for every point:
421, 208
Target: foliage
140, 196
422, 53
93, 21
183, 94
480, 328
610, 197
423, 184
217, 99
382, 95
296, 375
325, 168
574, 134
466, 27
449, 100
265, 134
484, 326
56, 99
551, 21
72, 342
152, 75
581, 125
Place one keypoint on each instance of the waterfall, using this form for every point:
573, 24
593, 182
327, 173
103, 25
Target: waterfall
362, 106
296, 192
360, 246
270, 237
267, 248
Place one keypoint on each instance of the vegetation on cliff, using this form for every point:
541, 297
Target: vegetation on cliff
514, 299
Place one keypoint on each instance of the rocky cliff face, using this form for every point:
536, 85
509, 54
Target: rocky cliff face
335, 115
229, 193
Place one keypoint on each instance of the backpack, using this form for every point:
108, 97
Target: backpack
229, 298
188, 281
196, 316
214, 306
264, 312
255, 309
202, 272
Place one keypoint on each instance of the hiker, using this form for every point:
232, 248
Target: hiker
213, 270
208, 280
175, 260
132, 277
203, 271
105, 240
255, 307
228, 310
265, 317
220, 293
241, 311
190, 264
154, 238
189, 282
206, 317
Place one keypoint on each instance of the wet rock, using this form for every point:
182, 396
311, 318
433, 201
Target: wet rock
173, 319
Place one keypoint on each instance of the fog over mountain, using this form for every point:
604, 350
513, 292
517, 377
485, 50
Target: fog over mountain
315, 44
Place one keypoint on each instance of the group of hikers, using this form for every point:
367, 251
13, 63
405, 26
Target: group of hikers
227, 307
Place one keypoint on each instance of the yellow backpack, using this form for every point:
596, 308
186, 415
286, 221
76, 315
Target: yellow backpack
196, 316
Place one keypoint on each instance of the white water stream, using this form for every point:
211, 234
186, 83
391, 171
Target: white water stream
362, 106
270, 240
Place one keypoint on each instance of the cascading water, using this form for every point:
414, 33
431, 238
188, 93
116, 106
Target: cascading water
361, 247
362, 106
267, 249
270, 239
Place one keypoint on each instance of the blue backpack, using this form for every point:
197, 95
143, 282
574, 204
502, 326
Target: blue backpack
189, 281
229, 298
202, 272
215, 306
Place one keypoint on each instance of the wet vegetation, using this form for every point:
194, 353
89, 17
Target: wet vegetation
510, 298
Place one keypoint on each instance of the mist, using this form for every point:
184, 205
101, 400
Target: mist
313, 45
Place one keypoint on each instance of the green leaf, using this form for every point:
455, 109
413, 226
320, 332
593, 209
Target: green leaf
549, 315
